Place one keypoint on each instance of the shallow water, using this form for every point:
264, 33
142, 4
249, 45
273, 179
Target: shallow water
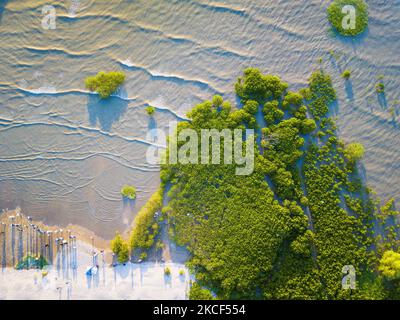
64, 155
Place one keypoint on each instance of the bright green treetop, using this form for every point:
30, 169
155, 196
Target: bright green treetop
340, 18
120, 248
129, 192
354, 151
256, 86
217, 101
105, 84
390, 265
150, 110
198, 293
346, 74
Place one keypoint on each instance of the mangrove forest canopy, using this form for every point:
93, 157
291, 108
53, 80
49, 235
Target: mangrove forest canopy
296, 226
289, 229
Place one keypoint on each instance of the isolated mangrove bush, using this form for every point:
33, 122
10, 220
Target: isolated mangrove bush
105, 84
336, 16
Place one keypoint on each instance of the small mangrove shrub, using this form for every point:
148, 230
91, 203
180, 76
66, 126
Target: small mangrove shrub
348, 17
150, 110
346, 74
31, 262
129, 192
120, 248
105, 84
146, 225
354, 152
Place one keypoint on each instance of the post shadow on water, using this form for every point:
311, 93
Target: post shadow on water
4, 250
167, 280
93, 281
89, 281
105, 112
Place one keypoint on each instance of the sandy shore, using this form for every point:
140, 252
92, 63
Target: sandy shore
66, 277
131, 281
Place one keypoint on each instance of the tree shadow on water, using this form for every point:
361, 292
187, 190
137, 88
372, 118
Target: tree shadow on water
3, 4
128, 210
152, 124
129, 203
354, 41
382, 100
349, 90
105, 112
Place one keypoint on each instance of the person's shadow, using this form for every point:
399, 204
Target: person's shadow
4, 258
105, 112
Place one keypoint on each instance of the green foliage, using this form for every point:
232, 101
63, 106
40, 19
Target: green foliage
217, 101
306, 93
251, 107
31, 262
150, 110
272, 113
198, 293
120, 248
284, 141
304, 201
322, 93
303, 243
123, 255
346, 74
336, 16
143, 256
340, 239
129, 192
116, 243
388, 208
380, 87
249, 237
354, 152
308, 126
256, 86
301, 113
389, 265
231, 224
146, 227
105, 84
292, 101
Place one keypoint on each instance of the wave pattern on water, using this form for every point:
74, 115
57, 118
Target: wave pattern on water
64, 154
